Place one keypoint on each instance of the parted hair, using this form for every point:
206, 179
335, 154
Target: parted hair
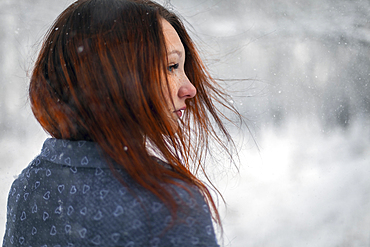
99, 77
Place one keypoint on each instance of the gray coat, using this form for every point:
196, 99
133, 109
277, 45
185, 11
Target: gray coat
67, 196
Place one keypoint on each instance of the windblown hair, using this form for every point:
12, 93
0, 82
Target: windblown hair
99, 76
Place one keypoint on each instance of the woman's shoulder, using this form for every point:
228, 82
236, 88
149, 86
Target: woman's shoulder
86, 204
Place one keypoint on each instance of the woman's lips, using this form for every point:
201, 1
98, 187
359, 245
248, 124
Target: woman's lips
180, 112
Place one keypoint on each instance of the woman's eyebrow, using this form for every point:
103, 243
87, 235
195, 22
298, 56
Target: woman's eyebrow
179, 53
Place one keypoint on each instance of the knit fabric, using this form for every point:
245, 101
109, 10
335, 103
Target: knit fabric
68, 196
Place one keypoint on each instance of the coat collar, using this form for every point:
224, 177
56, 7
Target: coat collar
73, 153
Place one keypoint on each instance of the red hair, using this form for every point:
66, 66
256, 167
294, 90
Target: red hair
99, 76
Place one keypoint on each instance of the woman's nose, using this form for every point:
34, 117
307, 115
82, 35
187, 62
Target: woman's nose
187, 89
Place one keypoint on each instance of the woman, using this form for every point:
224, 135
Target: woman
120, 87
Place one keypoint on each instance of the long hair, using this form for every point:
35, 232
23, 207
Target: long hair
99, 77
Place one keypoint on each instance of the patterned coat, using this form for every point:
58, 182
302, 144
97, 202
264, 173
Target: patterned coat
67, 196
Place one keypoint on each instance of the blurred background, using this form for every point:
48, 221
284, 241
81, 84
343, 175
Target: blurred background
305, 94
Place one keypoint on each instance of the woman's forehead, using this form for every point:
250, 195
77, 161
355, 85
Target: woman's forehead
173, 41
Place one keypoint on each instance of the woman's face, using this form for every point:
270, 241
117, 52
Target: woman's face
180, 86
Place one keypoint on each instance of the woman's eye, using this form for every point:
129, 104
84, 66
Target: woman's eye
172, 67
